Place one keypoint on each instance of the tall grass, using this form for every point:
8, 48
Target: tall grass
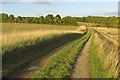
61, 65
10, 40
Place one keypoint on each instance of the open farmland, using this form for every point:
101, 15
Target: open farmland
44, 50
53, 39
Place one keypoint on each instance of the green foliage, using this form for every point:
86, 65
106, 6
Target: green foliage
61, 65
41, 20
96, 21
11, 18
19, 19
35, 20
101, 21
57, 19
5, 17
49, 19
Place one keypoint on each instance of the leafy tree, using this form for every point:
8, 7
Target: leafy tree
49, 19
26, 20
19, 19
11, 18
41, 19
57, 19
35, 20
68, 20
4, 17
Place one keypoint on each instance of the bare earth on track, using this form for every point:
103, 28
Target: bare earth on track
82, 68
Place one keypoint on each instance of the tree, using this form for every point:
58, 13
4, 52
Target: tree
19, 19
66, 20
49, 19
57, 19
35, 20
41, 19
11, 18
26, 20
4, 17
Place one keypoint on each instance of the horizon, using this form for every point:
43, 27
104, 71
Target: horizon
73, 9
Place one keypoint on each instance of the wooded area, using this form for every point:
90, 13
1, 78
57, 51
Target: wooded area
96, 21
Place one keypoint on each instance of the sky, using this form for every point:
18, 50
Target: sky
75, 9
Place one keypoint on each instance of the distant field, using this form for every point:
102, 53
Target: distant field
13, 27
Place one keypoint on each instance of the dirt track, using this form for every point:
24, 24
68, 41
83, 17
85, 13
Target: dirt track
82, 67
30, 69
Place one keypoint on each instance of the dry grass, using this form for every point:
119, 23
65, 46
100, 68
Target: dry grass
14, 33
111, 33
16, 37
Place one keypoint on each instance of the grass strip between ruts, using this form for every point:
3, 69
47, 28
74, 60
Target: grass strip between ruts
61, 65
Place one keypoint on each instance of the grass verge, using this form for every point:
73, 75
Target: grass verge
97, 71
61, 65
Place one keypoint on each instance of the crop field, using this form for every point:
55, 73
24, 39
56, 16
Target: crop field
31, 27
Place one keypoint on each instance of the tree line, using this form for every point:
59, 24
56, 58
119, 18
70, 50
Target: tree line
67, 20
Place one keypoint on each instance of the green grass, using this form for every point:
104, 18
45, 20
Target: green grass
61, 65
97, 71
19, 27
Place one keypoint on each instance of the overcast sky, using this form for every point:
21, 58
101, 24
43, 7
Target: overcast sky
76, 9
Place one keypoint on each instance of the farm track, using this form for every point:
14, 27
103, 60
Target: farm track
82, 68
39, 63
